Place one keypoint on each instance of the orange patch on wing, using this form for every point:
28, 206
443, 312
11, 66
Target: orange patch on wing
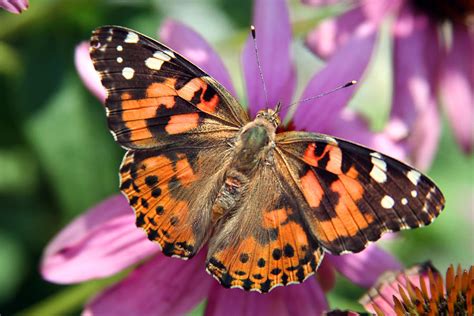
335, 160
126, 96
352, 173
160, 89
335, 157
181, 123
139, 114
185, 172
312, 190
189, 90
275, 218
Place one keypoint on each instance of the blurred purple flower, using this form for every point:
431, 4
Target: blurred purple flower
14, 6
425, 61
105, 240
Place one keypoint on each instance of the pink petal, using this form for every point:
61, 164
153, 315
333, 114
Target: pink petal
382, 294
99, 243
302, 299
457, 86
416, 58
331, 34
87, 72
14, 6
162, 286
347, 64
273, 29
364, 268
351, 126
195, 48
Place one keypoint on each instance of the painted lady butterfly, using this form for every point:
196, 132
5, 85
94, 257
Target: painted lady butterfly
198, 170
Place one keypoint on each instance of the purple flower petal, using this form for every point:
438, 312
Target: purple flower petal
351, 126
304, 299
416, 57
195, 48
457, 86
273, 29
14, 6
347, 64
162, 286
87, 72
364, 268
99, 243
331, 34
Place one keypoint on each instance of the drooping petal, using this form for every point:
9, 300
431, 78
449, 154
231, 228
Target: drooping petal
14, 6
457, 86
351, 126
86, 71
347, 64
415, 58
273, 29
303, 299
162, 286
99, 243
331, 34
195, 48
364, 268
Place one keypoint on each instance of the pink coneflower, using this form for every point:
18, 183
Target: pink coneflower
433, 45
420, 291
14, 6
105, 240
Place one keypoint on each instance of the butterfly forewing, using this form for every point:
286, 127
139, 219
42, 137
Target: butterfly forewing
356, 194
154, 95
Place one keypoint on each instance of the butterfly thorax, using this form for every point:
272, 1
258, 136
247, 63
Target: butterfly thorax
253, 149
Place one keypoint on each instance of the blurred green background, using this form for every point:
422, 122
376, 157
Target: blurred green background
57, 157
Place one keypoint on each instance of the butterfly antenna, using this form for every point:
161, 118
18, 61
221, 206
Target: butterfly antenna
348, 84
254, 36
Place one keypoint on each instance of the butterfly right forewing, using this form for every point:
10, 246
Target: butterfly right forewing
356, 194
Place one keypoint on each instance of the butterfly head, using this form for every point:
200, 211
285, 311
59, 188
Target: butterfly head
270, 115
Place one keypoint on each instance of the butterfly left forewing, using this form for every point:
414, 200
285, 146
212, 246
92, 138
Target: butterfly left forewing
356, 194
155, 96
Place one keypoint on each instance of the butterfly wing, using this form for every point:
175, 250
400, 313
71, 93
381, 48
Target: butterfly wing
354, 193
154, 95
264, 242
172, 192
176, 122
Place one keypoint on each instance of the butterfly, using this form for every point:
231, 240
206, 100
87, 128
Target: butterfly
268, 205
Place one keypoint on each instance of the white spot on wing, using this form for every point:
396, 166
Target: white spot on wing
128, 73
413, 176
414, 193
387, 202
170, 53
131, 38
154, 63
162, 55
404, 201
376, 155
378, 170
119, 48
119, 60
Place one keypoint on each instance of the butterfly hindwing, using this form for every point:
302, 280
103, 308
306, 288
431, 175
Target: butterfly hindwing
264, 242
356, 194
172, 192
154, 95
